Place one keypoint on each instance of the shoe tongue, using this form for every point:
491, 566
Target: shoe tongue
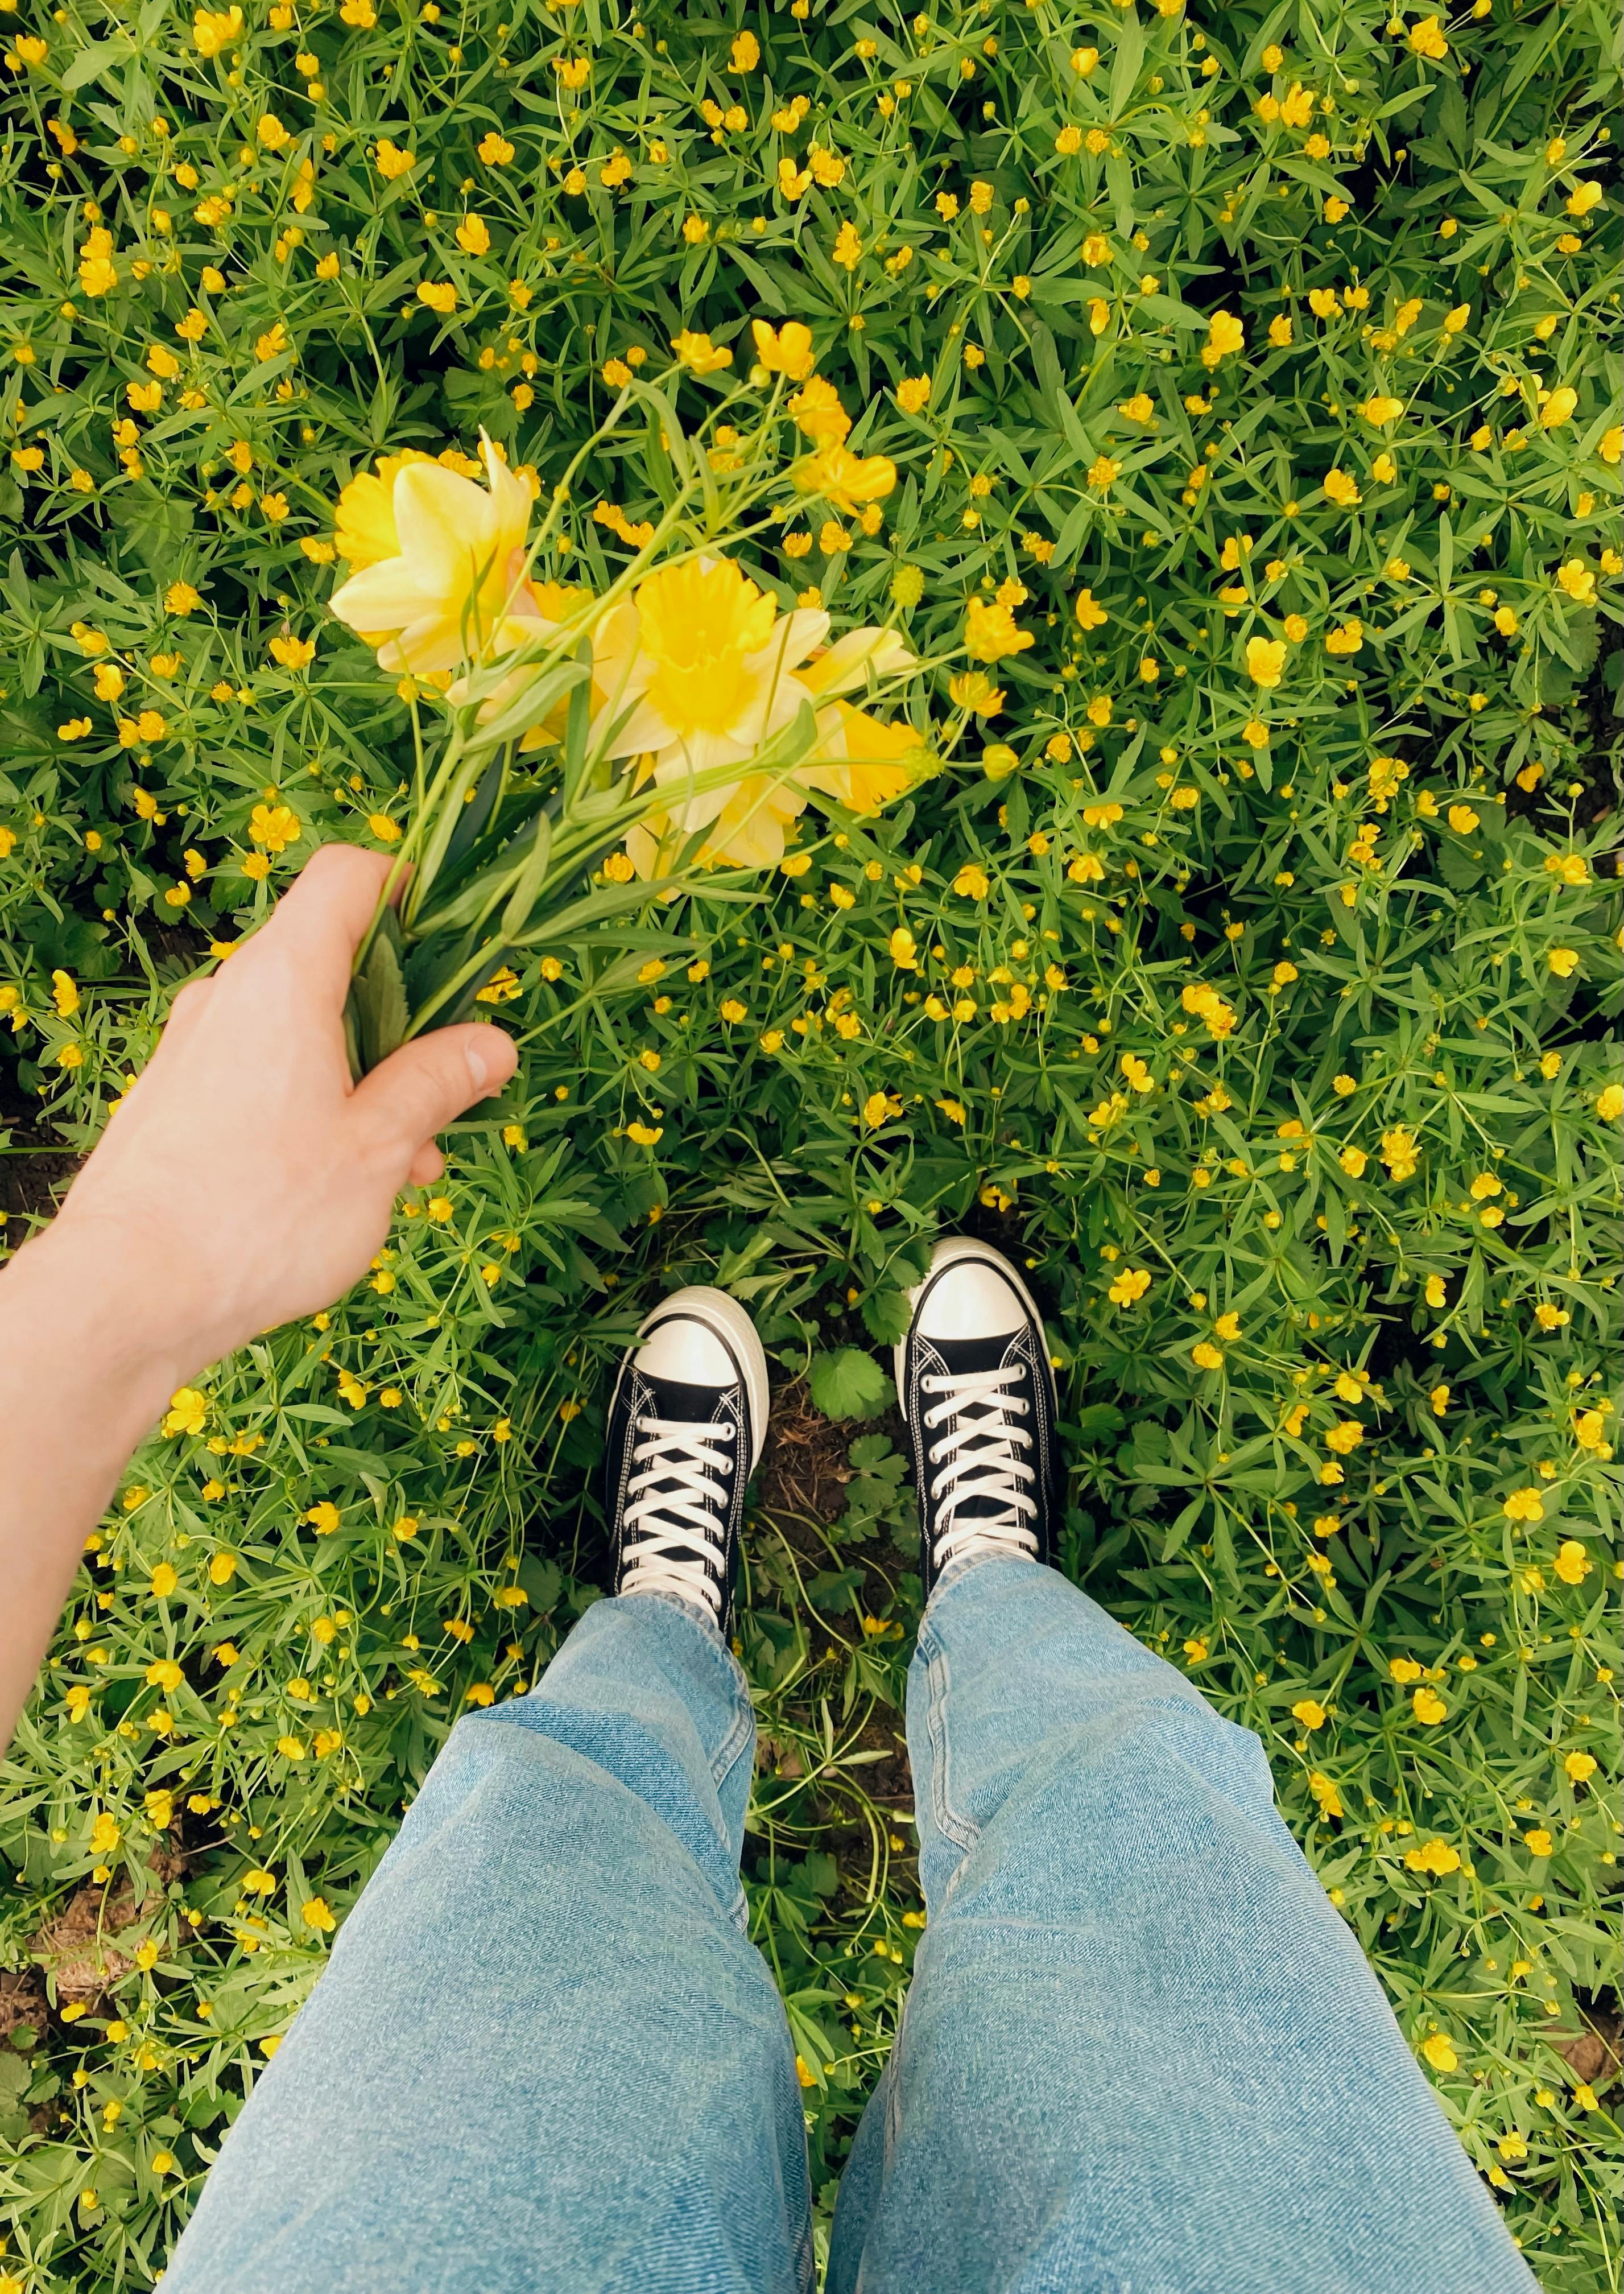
693, 1405
676, 1401
960, 1354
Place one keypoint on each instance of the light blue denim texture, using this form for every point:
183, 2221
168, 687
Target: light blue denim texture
544, 2054
1143, 2054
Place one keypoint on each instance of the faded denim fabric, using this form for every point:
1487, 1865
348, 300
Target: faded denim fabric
544, 2055
1143, 2054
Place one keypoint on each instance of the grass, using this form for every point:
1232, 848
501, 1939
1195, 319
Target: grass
1299, 1000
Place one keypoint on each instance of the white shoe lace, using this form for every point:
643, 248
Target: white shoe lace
676, 1531
982, 1460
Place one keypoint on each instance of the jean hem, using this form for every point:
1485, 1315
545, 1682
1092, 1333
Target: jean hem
695, 1610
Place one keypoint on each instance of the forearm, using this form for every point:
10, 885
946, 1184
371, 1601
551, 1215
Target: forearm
84, 1376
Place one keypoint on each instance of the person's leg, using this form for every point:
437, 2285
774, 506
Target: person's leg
1142, 2052
545, 2059
544, 2054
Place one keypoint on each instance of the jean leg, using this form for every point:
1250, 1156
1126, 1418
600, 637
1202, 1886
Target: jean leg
544, 2057
1142, 2053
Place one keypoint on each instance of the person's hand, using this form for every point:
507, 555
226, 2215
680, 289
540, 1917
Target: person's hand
244, 1180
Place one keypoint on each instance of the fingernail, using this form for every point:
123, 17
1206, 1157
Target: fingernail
479, 1067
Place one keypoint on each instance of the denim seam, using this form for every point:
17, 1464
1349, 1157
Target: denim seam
723, 1760
740, 1736
957, 1828
892, 2076
733, 1744
739, 1739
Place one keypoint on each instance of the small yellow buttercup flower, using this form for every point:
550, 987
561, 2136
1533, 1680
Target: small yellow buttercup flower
786, 350
990, 631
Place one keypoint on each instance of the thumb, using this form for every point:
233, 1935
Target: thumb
426, 1085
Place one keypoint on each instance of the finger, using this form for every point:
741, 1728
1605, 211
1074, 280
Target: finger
322, 917
426, 1085
427, 1164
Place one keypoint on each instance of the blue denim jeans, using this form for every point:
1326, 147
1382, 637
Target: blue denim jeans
1143, 2054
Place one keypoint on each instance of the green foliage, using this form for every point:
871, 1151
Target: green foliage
1197, 983
850, 1384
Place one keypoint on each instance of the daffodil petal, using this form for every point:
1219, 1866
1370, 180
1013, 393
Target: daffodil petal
849, 659
645, 728
796, 636
700, 752
643, 844
430, 643
749, 827
364, 522
448, 527
387, 596
511, 497
862, 762
697, 812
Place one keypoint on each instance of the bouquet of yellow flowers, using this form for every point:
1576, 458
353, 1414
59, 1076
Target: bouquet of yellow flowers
602, 749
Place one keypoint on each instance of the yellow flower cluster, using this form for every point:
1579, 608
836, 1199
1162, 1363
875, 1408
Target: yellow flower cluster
695, 672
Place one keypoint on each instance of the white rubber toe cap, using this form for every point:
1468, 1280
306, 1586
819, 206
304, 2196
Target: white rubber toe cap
687, 1339
971, 1295
685, 1349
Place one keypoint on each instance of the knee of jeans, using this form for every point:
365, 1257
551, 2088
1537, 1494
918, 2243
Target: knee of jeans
1231, 1757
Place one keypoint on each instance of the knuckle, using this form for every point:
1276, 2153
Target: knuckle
332, 861
191, 999
332, 867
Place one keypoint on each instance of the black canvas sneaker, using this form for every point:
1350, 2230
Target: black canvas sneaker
978, 1398
685, 1429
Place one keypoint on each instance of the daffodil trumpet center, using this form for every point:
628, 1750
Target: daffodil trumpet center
700, 625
